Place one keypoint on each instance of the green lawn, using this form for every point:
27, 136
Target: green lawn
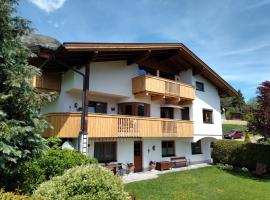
227, 127
205, 183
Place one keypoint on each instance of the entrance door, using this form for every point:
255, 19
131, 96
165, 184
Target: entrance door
138, 156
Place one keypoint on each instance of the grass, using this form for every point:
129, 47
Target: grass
205, 183
227, 127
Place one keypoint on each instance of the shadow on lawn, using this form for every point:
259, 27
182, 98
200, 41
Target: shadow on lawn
247, 175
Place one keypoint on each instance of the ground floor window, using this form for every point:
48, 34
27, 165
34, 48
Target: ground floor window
105, 151
196, 147
168, 149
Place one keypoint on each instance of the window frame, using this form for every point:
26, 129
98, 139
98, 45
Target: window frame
167, 142
211, 116
197, 152
104, 151
170, 111
202, 84
96, 102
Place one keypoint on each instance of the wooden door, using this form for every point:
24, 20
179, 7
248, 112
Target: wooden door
138, 156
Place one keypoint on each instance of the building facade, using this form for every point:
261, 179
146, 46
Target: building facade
146, 102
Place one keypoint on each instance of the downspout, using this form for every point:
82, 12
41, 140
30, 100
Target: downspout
84, 114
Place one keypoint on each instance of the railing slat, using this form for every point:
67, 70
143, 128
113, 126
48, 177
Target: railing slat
67, 125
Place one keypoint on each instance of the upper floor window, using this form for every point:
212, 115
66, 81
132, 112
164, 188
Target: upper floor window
199, 86
168, 148
97, 107
207, 116
196, 147
166, 75
185, 113
166, 112
134, 108
146, 70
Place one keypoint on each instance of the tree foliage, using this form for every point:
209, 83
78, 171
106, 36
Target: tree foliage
261, 120
233, 104
20, 119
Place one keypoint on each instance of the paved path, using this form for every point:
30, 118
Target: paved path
140, 176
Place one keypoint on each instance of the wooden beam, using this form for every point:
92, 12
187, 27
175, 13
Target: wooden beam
140, 58
198, 71
185, 102
158, 97
140, 95
172, 100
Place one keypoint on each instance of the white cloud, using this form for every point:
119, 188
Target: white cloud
246, 50
257, 4
48, 5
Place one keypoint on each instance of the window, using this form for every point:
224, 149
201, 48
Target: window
105, 151
185, 113
207, 116
196, 147
168, 148
199, 86
97, 107
134, 108
166, 112
146, 70
166, 75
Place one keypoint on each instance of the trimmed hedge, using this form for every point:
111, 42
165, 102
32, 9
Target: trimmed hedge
240, 154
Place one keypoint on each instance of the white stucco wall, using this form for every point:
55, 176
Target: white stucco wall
209, 99
125, 150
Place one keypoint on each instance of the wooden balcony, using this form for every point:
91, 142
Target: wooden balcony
159, 88
67, 125
48, 82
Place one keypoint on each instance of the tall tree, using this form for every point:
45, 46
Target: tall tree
20, 119
233, 104
261, 120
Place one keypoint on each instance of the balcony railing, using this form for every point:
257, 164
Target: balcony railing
48, 82
67, 125
156, 86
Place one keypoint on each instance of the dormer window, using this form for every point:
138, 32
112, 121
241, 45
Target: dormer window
199, 86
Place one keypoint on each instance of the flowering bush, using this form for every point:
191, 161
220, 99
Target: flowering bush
83, 182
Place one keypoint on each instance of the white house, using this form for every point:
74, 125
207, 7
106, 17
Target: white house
146, 102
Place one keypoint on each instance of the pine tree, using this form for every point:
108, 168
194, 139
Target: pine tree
20, 119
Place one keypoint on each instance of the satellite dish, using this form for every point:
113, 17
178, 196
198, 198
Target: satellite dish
67, 145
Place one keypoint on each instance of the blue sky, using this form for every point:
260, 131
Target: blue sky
232, 37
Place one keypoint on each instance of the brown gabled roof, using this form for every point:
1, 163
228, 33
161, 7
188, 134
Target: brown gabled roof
169, 56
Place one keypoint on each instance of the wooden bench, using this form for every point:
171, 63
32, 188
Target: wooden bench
164, 165
179, 162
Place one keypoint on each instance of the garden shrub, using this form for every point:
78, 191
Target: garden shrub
53, 142
52, 163
240, 154
11, 196
247, 138
83, 182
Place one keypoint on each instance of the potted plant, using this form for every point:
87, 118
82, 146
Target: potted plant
130, 168
152, 165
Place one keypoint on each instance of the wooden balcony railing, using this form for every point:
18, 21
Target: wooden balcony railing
67, 125
154, 86
48, 82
